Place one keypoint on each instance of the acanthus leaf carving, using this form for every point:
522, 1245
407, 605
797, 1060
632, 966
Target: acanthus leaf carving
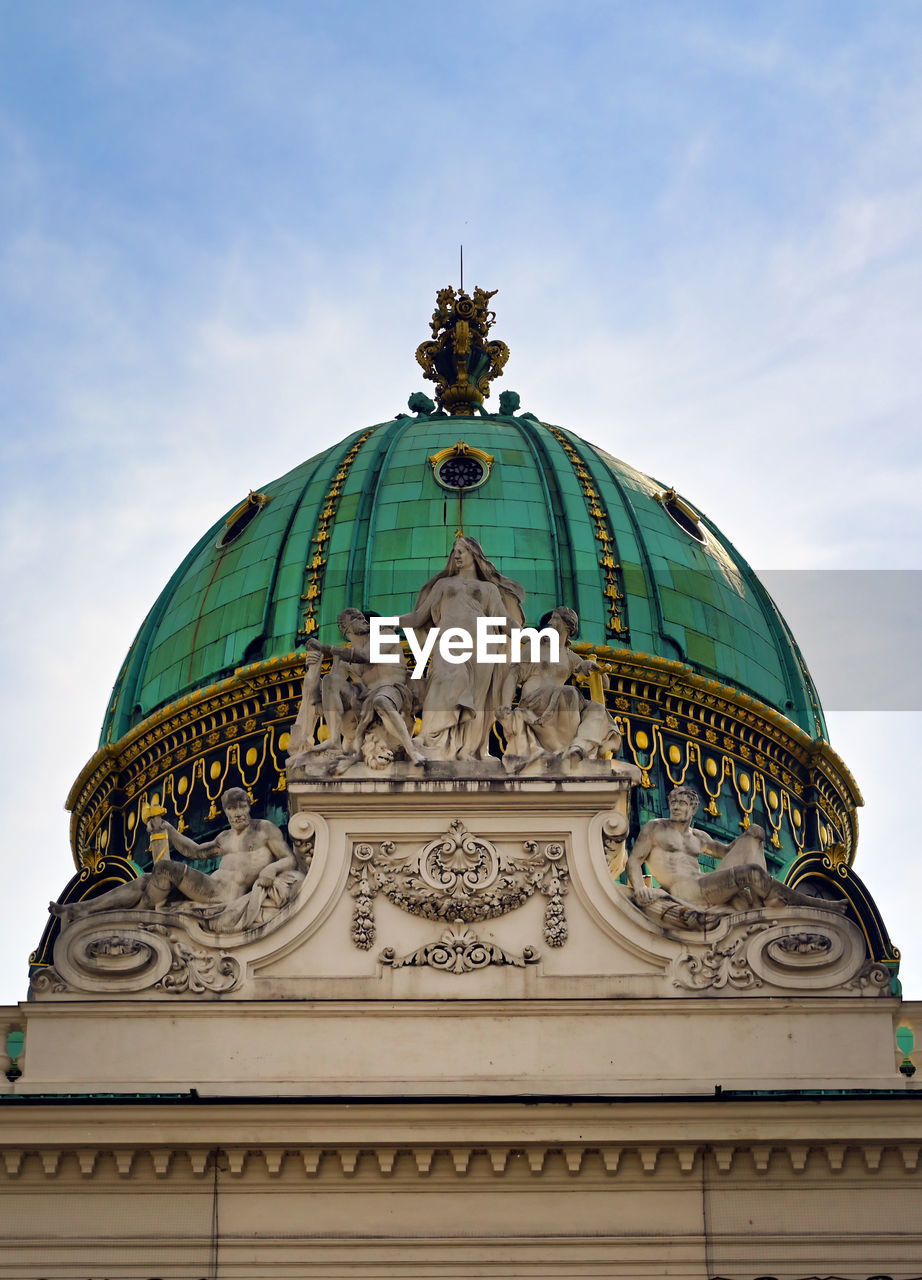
47, 981
719, 966
194, 969
463, 878
459, 950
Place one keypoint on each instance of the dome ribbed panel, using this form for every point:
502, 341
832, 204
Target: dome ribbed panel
392, 527
707, 607
404, 522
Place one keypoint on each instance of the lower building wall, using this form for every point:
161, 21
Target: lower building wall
566, 1046
234, 1191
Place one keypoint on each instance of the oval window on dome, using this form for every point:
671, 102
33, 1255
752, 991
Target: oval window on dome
238, 519
461, 467
462, 473
683, 515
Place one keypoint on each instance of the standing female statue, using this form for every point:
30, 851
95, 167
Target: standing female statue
460, 701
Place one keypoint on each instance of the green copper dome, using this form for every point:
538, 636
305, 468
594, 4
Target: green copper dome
367, 521
691, 656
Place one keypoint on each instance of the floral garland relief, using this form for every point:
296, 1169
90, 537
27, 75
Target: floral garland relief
459, 879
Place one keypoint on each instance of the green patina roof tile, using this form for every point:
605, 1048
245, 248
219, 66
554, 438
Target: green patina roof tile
700, 649
635, 583
290, 579
386, 515
678, 607
152, 696
426, 541
411, 514
639, 617
380, 580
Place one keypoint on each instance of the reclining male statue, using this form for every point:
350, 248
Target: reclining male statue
252, 852
671, 848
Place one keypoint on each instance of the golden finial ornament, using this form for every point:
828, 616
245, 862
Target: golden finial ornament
460, 359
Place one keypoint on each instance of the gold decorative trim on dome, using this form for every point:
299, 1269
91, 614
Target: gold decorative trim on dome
315, 567
736, 747
230, 733
613, 590
460, 359
737, 751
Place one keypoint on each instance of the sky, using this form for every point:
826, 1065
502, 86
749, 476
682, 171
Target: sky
222, 227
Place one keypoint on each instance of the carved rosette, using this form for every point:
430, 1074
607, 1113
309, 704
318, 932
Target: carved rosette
463, 878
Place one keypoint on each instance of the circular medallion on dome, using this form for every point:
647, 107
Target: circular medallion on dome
461, 466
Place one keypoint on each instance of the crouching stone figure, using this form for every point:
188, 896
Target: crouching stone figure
553, 720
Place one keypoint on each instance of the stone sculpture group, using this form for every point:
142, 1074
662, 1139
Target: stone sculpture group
358, 720
369, 707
